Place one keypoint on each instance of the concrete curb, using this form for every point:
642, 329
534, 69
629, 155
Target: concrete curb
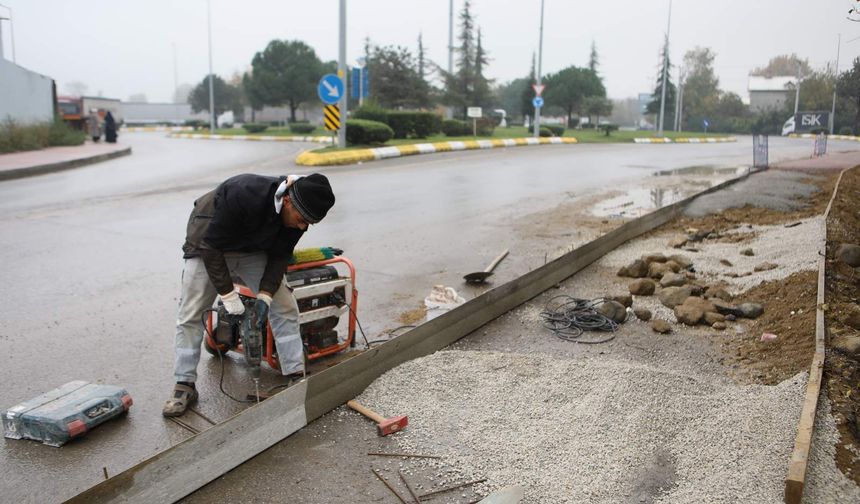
32, 171
138, 129
310, 158
253, 138
849, 138
685, 140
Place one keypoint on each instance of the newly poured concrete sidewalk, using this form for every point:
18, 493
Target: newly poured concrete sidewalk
53, 159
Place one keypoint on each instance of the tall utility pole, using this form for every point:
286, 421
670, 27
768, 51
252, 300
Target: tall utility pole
665, 71
679, 113
835, 80
341, 72
451, 36
675, 125
211, 83
797, 90
536, 125
11, 33
2, 56
175, 73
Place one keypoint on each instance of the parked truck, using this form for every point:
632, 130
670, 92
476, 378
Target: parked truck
75, 110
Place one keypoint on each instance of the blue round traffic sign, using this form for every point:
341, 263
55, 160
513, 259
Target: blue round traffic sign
537, 101
330, 89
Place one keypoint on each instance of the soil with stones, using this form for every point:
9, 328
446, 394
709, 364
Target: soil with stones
842, 366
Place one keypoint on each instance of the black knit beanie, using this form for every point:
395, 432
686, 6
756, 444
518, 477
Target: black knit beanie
312, 197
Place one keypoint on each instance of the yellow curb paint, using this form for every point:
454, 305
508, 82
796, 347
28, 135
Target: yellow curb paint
408, 150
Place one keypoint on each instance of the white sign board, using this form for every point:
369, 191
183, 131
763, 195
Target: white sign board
474, 112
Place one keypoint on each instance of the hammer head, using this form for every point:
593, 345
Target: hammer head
392, 425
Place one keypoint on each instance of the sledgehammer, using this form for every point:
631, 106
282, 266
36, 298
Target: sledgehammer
385, 426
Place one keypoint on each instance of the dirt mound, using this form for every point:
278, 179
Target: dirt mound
841, 371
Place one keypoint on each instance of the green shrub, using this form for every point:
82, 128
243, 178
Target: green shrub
195, 123
608, 128
545, 132
302, 128
255, 127
846, 130
455, 128
485, 126
15, 136
370, 111
61, 134
362, 132
416, 124
587, 125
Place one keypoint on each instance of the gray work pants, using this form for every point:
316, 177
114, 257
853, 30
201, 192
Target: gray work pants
198, 294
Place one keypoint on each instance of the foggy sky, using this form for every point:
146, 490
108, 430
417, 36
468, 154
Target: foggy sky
123, 47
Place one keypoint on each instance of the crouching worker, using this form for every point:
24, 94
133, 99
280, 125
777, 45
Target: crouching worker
247, 227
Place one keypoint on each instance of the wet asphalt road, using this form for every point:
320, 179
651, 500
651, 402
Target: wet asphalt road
92, 262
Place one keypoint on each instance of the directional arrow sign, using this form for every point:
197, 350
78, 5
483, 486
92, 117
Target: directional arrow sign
330, 89
538, 88
537, 101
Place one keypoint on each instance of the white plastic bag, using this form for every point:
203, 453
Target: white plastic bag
440, 300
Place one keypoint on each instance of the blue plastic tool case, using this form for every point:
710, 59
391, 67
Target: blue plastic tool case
64, 413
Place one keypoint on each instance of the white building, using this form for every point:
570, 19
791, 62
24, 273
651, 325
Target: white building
769, 92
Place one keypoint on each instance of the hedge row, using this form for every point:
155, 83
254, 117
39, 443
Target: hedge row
255, 127
554, 129
404, 123
455, 127
364, 132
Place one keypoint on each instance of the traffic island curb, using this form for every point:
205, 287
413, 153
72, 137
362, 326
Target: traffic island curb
664, 140
32, 171
850, 138
253, 138
311, 158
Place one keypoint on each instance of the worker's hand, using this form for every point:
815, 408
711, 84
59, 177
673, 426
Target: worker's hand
262, 307
232, 303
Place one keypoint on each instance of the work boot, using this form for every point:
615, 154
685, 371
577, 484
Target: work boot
183, 396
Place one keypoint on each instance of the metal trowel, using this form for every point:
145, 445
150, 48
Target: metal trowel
481, 276
507, 495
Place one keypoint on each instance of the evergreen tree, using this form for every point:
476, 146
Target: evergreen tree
481, 95
593, 62
459, 86
653, 106
421, 58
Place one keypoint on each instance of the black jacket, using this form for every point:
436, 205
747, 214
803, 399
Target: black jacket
239, 216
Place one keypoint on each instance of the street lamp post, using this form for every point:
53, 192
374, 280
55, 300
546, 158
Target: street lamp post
665, 70
536, 125
341, 72
835, 80
11, 33
211, 77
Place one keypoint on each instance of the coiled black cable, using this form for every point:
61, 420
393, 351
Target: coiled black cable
569, 317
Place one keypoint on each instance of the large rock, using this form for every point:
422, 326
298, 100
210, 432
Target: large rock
765, 266
712, 318
682, 260
725, 308
849, 254
678, 241
720, 326
719, 293
700, 303
747, 252
636, 269
689, 314
673, 280
642, 314
657, 270
661, 326
624, 299
751, 310
642, 287
673, 296
613, 310
848, 344
651, 258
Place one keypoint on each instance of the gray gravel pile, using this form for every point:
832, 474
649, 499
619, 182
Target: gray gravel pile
791, 249
594, 430
774, 189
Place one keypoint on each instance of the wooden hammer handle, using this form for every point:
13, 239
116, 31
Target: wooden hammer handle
366, 412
